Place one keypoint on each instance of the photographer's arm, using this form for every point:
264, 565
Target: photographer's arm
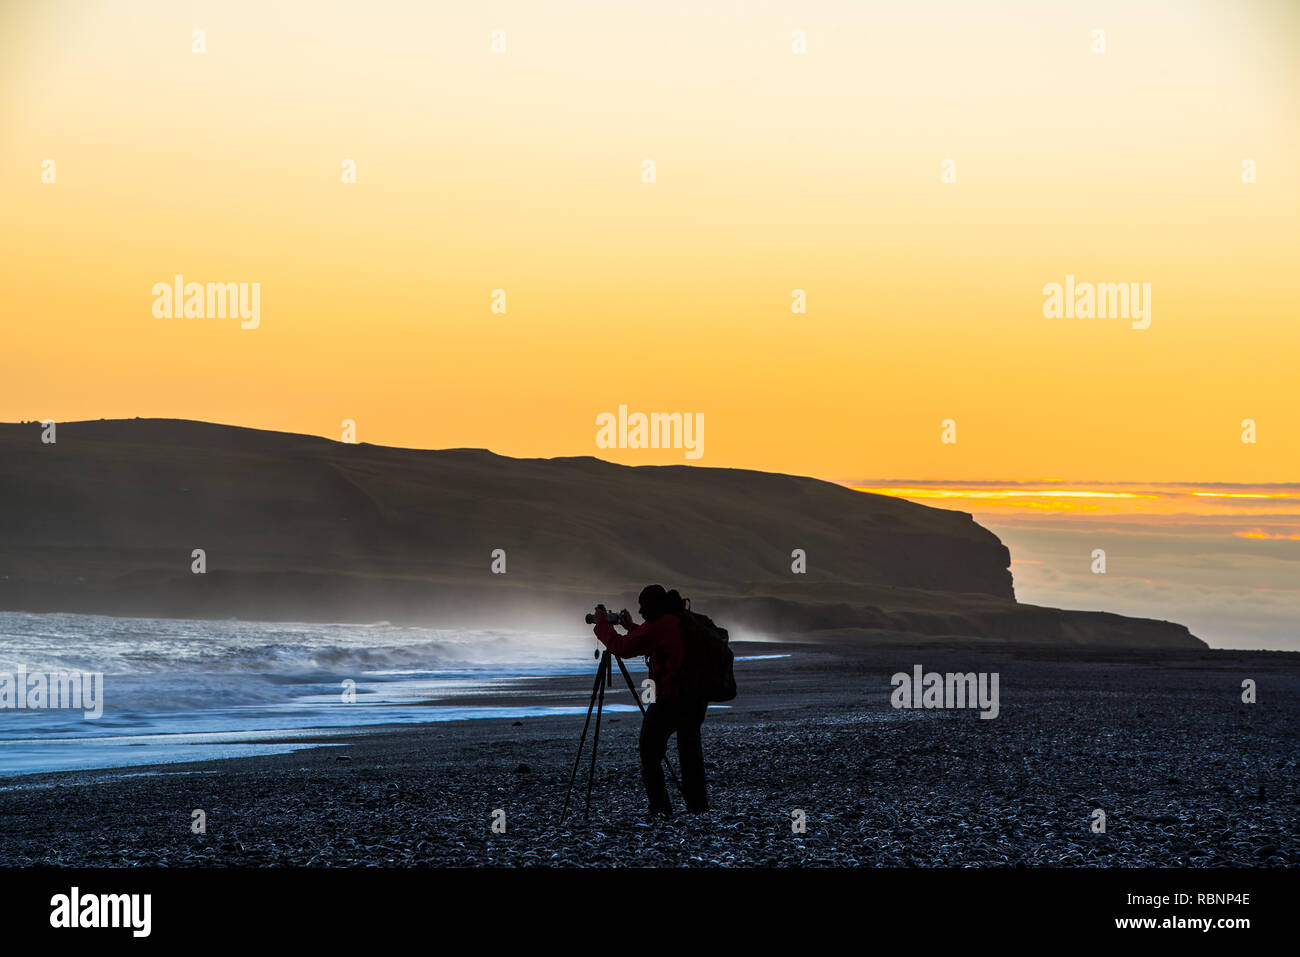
639, 641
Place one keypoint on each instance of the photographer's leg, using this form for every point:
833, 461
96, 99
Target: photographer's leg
690, 750
655, 730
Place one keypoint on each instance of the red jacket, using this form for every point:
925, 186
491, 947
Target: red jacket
661, 639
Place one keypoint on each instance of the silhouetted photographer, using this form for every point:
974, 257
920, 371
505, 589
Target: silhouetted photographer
690, 665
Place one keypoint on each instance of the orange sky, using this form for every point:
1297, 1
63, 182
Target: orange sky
775, 171
1263, 512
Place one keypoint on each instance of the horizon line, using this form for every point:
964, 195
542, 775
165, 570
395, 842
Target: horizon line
867, 485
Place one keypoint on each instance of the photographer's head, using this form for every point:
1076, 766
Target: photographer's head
655, 601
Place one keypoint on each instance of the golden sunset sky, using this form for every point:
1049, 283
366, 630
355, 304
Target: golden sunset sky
775, 171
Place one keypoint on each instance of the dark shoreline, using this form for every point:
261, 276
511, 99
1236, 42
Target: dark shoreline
1186, 773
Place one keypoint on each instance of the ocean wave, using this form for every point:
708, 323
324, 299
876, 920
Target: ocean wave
126, 646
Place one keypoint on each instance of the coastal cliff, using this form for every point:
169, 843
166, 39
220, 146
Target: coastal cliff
106, 520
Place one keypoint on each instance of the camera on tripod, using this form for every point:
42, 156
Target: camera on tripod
614, 617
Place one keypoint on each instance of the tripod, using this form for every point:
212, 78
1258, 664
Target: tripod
604, 677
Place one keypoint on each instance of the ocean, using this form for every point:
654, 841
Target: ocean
184, 690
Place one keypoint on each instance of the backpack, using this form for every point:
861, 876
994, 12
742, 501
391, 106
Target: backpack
706, 670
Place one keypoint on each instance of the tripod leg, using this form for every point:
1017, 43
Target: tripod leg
601, 681
583, 740
636, 695
632, 688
